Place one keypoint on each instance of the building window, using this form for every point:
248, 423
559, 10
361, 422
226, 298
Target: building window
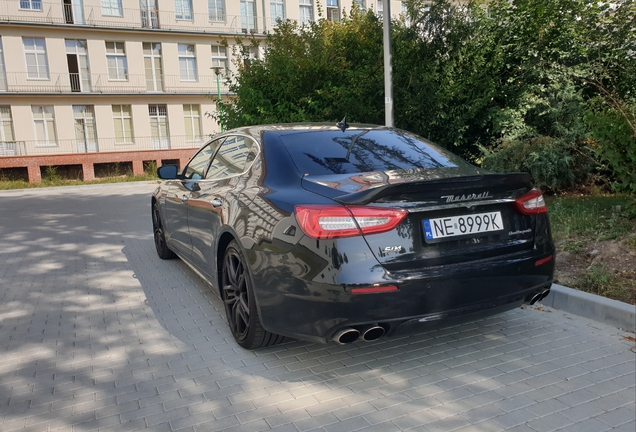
361, 5
219, 57
78, 67
248, 15
6, 124
187, 63
35, 53
116, 59
192, 120
380, 6
159, 126
44, 121
306, 11
111, 7
31, 4
149, 13
333, 11
277, 10
216, 10
3, 73
122, 119
85, 128
152, 64
183, 9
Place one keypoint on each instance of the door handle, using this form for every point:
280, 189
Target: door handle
216, 203
184, 198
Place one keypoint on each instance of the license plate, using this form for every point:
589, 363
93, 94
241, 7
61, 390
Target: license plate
462, 225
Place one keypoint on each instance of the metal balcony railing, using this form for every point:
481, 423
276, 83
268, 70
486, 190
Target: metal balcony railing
74, 146
12, 148
134, 18
19, 82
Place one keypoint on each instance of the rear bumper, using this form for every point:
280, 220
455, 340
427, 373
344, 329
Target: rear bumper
298, 306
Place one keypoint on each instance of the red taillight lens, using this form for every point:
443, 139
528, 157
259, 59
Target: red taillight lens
531, 203
325, 221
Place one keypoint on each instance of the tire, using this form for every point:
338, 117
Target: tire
237, 294
162, 248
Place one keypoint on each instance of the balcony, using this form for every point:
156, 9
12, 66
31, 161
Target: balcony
73, 146
12, 148
19, 82
133, 18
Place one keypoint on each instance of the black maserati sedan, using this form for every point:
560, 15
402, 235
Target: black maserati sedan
346, 232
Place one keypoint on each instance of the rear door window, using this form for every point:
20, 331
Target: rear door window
231, 158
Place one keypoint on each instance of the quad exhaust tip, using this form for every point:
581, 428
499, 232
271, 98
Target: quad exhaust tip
540, 296
351, 334
373, 333
346, 336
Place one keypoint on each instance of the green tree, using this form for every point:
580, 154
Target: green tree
317, 72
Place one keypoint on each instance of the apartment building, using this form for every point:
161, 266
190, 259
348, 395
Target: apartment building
86, 83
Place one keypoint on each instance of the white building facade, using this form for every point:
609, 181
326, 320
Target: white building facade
101, 81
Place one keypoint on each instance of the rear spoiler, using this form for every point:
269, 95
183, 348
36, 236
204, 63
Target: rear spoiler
497, 184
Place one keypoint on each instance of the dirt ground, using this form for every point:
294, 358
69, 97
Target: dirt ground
606, 267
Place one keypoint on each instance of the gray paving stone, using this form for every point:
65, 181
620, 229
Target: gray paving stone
550, 422
100, 334
617, 417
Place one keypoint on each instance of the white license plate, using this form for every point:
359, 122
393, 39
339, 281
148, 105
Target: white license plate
462, 225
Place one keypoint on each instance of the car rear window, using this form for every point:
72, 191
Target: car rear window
335, 152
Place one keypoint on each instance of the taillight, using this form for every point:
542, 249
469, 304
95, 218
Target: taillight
531, 203
326, 221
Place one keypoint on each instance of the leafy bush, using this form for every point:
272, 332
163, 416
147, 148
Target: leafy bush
553, 164
615, 142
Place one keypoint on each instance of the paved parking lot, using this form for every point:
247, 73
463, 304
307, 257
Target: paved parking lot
97, 333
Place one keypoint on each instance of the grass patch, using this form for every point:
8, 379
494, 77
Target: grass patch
578, 219
51, 179
595, 240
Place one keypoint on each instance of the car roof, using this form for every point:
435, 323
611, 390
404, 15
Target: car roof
257, 130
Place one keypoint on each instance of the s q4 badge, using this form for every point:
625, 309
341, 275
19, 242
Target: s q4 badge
392, 249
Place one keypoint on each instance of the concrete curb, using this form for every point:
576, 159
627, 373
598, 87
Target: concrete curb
592, 306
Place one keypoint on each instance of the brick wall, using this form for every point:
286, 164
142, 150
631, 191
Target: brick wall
87, 161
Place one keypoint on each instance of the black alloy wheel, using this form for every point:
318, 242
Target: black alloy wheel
240, 306
160, 239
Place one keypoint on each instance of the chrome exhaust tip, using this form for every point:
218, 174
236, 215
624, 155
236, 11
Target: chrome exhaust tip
535, 298
346, 336
372, 333
540, 296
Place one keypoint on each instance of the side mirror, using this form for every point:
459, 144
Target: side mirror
167, 172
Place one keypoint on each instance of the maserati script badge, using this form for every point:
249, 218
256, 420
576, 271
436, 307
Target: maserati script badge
469, 197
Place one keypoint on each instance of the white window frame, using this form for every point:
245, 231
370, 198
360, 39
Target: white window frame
112, 8
192, 122
3, 72
219, 56
306, 11
158, 113
248, 14
38, 55
117, 57
121, 118
362, 5
277, 10
6, 123
216, 10
183, 10
40, 117
34, 5
187, 62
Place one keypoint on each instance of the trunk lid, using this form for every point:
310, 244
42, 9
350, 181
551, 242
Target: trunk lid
454, 215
